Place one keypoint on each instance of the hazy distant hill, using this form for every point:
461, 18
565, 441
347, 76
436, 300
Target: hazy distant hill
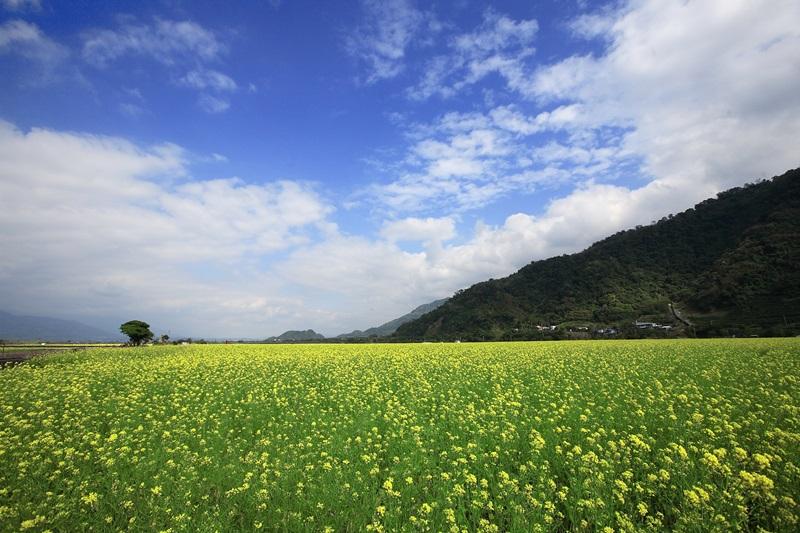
731, 264
294, 335
390, 327
37, 328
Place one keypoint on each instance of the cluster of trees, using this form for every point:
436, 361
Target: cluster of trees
138, 333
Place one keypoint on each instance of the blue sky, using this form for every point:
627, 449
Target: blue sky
274, 165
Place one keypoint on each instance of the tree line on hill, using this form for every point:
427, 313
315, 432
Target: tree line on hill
729, 265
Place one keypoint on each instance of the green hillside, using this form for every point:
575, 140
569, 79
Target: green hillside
730, 266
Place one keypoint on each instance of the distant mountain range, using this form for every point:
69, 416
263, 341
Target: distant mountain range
295, 335
729, 266
390, 327
384, 330
38, 328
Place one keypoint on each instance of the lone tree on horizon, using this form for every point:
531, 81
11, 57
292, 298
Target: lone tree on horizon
137, 331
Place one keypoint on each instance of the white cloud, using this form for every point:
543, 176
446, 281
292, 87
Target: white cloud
496, 33
97, 226
419, 229
464, 161
131, 110
511, 119
29, 42
389, 29
703, 95
203, 78
22, 5
212, 104
166, 41
177, 45
374, 281
709, 90
133, 104
499, 45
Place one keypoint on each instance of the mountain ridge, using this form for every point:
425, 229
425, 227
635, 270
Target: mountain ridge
40, 328
387, 328
728, 263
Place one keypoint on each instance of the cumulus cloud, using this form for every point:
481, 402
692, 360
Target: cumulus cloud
686, 99
709, 90
376, 280
419, 229
388, 30
94, 226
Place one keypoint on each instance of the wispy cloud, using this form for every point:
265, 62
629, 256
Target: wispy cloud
184, 47
690, 102
44, 55
389, 28
208, 79
464, 161
499, 45
131, 110
166, 41
213, 104
22, 5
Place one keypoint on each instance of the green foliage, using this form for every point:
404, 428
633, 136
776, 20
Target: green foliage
137, 331
730, 262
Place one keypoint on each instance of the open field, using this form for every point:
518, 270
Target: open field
616, 435
18, 352
38, 347
55, 345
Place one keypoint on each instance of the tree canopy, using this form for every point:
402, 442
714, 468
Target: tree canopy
137, 331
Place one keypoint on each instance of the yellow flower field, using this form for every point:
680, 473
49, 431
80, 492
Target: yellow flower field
590, 436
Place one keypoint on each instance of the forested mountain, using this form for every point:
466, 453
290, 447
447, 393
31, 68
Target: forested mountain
730, 265
390, 327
